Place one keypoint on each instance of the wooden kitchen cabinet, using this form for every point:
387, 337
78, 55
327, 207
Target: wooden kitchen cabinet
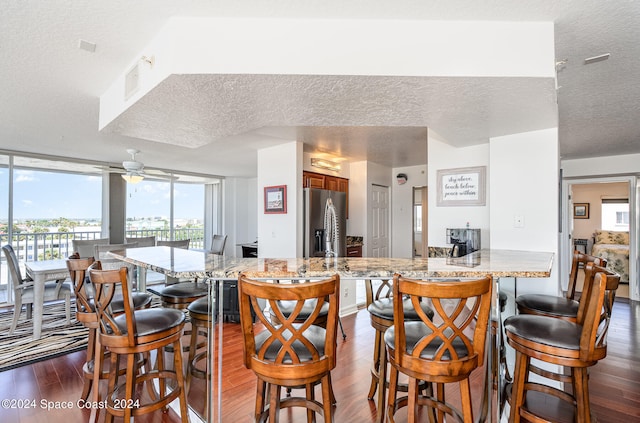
314, 180
354, 251
333, 183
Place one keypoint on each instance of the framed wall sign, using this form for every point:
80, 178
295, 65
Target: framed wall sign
462, 186
580, 210
275, 199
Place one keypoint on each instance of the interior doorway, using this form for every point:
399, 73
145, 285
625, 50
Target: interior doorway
601, 215
420, 235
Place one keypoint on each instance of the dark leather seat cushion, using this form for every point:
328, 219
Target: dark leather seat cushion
201, 306
548, 304
415, 331
315, 334
184, 289
545, 330
152, 320
383, 308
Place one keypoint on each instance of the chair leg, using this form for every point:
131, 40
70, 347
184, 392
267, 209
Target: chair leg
393, 389
375, 367
517, 389
327, 393
412, 400
88, 379
115, 364
581, 393
274, 404
309, 391
441, 399
178, 366
465, 395
17, 310
382, 382
261, 391
97, 372
130, 378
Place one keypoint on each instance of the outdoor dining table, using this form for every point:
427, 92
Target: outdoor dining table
41, 272
179, 263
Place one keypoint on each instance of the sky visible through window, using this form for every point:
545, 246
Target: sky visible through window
47, 195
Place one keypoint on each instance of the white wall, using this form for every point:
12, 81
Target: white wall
241, 213
357, 222
443, 156
524, 180
601, 166
402, 209
278, 233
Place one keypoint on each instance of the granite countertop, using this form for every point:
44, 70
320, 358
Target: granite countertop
354, 241
176, 262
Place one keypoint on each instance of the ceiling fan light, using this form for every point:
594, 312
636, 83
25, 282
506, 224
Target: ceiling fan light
325, 164
132, 178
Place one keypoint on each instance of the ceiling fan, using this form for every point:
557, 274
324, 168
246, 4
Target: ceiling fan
134, 169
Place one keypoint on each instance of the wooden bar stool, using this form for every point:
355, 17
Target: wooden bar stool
574, 345
380, 306
445, 348
86, 314
132, 333
291, 353
554, 306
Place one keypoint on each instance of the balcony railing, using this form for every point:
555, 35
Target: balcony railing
53, 245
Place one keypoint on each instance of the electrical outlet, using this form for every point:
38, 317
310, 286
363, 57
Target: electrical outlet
346, 292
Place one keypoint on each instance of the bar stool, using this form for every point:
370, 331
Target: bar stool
554, 306
380, 307
290, 354
444, 348
137, 332
574, 345
86, 314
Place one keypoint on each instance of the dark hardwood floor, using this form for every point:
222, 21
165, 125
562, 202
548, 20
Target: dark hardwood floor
614, 381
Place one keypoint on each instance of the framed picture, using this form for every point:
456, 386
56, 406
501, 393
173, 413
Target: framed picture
275, 199
461, 187
580, 210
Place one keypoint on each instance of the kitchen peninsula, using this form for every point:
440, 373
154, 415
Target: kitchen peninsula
179, 263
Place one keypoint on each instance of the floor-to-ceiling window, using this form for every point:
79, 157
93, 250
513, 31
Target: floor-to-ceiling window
49, 202
171, 209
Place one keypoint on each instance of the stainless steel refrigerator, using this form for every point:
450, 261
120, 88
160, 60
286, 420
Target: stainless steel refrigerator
325, 223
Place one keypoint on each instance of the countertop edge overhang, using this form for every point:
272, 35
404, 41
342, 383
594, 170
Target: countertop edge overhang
180, 263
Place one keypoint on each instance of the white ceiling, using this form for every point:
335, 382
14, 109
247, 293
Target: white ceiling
51, 88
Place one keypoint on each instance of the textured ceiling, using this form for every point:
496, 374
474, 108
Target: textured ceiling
51, 88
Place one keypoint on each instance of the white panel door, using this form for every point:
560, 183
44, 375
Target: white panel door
379, 221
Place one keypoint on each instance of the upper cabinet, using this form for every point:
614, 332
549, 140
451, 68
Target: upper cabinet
333, 183
314, 180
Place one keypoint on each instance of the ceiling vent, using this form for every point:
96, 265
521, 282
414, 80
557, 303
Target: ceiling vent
132, 81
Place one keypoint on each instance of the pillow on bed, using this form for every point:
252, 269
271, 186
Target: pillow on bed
611, 237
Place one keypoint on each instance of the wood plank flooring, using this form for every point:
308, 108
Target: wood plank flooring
614, 381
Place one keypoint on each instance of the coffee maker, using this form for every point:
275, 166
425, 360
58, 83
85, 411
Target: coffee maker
463, 241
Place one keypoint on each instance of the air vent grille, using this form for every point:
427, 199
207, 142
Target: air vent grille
131, 81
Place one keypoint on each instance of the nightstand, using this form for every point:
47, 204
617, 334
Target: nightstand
580, 243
